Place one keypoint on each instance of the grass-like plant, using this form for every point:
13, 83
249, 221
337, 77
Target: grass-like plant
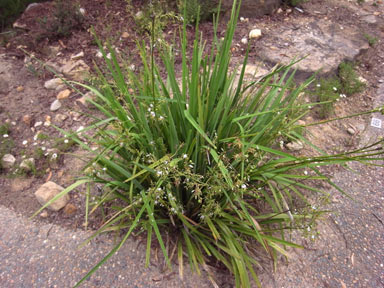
197, 157
327, 91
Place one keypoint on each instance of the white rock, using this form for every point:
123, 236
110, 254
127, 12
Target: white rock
27, 164
254, 34
351, 131
363, 80
53, 83
295, 146
49, 190
244, 40
82, 11
55, 105
8, 161
39, 123
77, 56
99, 54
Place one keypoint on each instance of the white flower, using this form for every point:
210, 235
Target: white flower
308, 229
153, 114
305, 172
243, 186
190, 166
334, 89
159, 173
43, 148
161, 118
318, 85
66, 141
54, 156
5, 135
313, 236
25, 142
104, 169
185, 156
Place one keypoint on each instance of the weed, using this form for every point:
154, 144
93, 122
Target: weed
372, 40
349, 79
4, 129
327, 91
154, 17
198, 160
197, 9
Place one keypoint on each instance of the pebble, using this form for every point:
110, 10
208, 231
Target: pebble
60, 118
53, 83
244, 41
125, 35
8, 161
27, 164
63, 94
82, 11
295, 146
27, 119
351, 131
44, 214
55, 105
254, 34
37, 124
70, 209
49, 190
20, 89
77, 56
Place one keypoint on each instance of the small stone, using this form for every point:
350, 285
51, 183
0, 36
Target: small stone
63, 94
295, 146
289, 11
49, 190
27, 119
139, 14
82, 11
70, 209
363, 80
351, 131
60, 118
20, 89
55, 105
27, 164
381, 81
279, 11
47, 122
44, 214
77, 56
8, 161
244, 41
85, 99
254, 34
125, 35
53, 83
37, 124
99, 54
60, 87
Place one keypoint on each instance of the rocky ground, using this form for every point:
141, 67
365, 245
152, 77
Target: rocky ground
348, 252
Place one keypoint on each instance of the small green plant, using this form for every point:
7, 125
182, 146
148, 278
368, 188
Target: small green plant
372, 40
66, 18
161, 10
4, 129
197, 10
296, 2
349, 79
327, 91
199, 160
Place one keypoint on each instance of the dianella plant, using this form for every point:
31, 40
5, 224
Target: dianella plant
194, 154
